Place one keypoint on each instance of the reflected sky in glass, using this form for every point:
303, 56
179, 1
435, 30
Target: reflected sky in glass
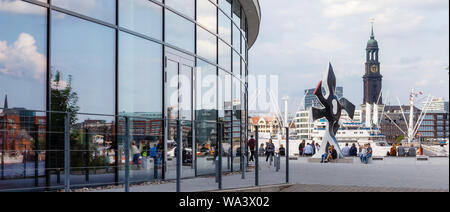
206, 45
104, 10
186, 7
86, 51
207, 15
140, 75
23, 55
179, 31
144, 17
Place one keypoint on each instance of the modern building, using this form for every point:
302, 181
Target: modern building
311, 100
153, 61
438, 105
434, 127
304, 128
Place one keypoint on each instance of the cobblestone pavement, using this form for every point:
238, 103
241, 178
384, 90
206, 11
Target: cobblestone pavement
327, 177
331, 188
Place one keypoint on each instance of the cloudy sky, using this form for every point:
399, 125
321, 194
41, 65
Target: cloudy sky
299, 38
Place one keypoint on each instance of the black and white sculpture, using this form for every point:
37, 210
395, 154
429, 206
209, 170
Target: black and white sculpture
331, 111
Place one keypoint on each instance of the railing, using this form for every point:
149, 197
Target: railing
77, 150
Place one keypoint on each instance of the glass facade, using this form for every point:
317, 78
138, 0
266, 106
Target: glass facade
153, 61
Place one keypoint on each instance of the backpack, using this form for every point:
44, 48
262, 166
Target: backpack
153, 152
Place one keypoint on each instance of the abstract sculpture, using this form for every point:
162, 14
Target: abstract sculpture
331, 111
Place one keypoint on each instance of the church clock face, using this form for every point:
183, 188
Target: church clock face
374, 69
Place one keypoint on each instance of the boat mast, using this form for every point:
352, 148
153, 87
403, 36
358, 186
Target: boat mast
411, 118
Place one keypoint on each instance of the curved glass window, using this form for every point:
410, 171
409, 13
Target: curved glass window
140, 76
83, 55
236, 38
179, 31
186, 7
144, 17
104, 10
206, 116
236, 64
23, 60
206, 45
207, 15
224, 27
225, 5
224, 55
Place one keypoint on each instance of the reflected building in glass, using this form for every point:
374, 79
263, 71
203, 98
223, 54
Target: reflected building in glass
153, 61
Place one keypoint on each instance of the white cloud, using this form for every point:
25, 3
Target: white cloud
21, 59
16, 6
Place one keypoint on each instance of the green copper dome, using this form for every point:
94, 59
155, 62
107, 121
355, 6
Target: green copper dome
372, 43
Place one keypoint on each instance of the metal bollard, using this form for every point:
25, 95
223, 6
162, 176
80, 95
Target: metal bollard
257, 157
179, 154
67, 153
287, 154
220, 147
126, 143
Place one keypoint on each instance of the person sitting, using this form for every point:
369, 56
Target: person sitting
363, 153
353, 151
333, 155
420, 151
412, 151
393, 152
309, 150
368, 154
346, 150
325, 156
401, 151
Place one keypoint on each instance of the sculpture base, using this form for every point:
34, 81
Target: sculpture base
344, 160
331, 140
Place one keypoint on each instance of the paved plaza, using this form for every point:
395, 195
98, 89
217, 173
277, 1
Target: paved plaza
399, 174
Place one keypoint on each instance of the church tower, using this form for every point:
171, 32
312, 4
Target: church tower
373, 80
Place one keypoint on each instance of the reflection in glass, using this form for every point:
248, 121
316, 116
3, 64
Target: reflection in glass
83, 76
225, 113
206, 45
140, 76
186, 7
84, 53
236, 64
179, 31
22, 88
224, 56
207, 15
104, 10
206, 117
225, 5
224, 27
236, 38
144, 17
236, 122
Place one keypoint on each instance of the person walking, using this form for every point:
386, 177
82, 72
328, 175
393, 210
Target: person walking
136, 154
252, 146
270, 150
301, 147
282, 151
313, 145
261, 150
